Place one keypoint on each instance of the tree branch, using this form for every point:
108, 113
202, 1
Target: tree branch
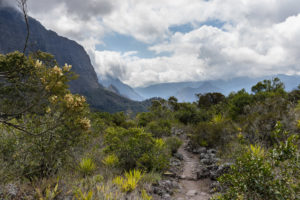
23, 6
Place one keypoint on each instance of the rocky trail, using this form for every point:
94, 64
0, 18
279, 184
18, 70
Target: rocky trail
192, 175
190, 187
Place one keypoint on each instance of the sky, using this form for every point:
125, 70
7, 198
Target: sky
144, 42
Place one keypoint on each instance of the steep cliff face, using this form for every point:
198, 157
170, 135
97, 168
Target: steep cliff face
12, 38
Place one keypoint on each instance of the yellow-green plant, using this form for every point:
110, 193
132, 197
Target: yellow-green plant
145, 196
79, 195
87, 166
50, 194
131, 180
217, 118
111, 160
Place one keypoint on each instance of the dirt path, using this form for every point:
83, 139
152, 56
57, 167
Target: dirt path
190, 187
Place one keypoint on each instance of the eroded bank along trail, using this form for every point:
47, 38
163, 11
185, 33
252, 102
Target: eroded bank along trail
190, 187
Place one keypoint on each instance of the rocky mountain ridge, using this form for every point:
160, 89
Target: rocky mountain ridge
12, 38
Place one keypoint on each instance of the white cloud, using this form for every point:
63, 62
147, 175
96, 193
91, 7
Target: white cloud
259, 37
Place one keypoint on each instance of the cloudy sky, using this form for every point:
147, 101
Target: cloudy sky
142, 42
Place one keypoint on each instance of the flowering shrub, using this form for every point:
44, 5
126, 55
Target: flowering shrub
38, 114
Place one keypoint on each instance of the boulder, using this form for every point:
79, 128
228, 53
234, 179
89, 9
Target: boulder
179, 156
191, 193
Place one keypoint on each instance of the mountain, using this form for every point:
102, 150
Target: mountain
162, 90
185, 91
112, 88
188, 94
12, 38
124, 89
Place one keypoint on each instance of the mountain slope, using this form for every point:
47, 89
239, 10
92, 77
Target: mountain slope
185, 91
125, 90
12, 37
188, 94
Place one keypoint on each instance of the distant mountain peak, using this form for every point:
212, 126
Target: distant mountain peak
124, 89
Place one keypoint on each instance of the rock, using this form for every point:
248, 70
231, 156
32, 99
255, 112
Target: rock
176, 131
158, 190
12, 190
215, 187
203, 173
175, 184
202, 156
222, 169
207, 156
179, 156
191, 193
206, 161
212, 151
212, 167
199, 150
166, 196
211, 155
175, 162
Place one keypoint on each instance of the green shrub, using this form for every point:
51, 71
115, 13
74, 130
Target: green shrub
39, 115
160, 128
212, 134
173, 143
144, 118
259, 174
136, 148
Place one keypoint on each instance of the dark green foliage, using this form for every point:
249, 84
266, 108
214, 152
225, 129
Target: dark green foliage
144, 118
209, 99
189, 114
274, 85
160, 128
262, 117
173, 102
173, 143
136, 148
237, 102
212, 134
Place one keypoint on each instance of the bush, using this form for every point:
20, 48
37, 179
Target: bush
160, 128
189, 114
144, 118
136, 148
212, 134
173, 143
39, 115
258, 174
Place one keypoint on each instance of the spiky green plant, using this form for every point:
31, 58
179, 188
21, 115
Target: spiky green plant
87, 166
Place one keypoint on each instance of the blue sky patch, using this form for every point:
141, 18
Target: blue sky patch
124, 43
184, 28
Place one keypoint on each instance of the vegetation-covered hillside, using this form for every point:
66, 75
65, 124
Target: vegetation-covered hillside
54, 147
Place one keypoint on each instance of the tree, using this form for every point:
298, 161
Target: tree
209, 99
274, 85
39, 113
